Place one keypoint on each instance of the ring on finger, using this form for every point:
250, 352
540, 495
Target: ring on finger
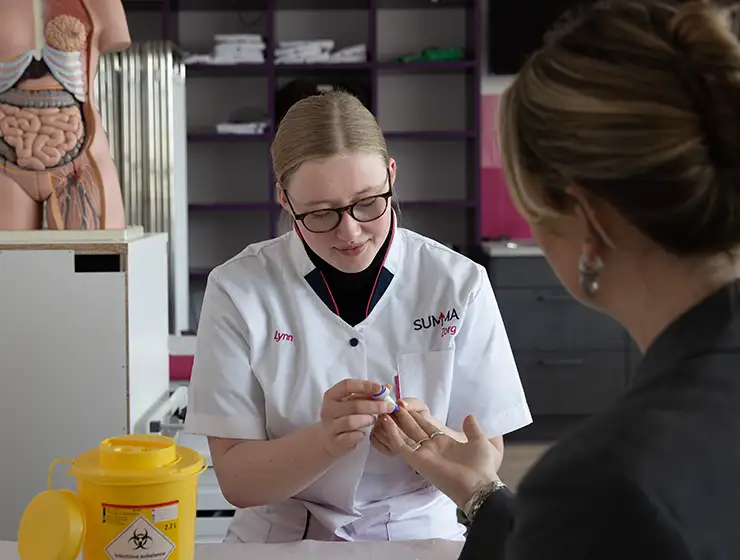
423, 441
415, 446
437, 433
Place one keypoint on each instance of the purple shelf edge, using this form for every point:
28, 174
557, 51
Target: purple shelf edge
230, 5
144, 5
429, 134
273, 206
209, 70
453, 203
427, 65
234, 207
213, 136
214, 70
323, 67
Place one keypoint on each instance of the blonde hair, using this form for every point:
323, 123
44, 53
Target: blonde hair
636, 102
322, 126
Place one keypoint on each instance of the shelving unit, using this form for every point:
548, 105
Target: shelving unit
429, 110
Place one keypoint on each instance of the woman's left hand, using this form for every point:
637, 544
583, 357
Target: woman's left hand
457, 469
379, 438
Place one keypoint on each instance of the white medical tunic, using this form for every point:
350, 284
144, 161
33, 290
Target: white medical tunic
270, 343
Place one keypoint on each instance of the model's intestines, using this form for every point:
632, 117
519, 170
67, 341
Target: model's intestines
40, 129
41, 125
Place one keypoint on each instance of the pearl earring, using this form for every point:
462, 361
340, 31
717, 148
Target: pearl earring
589, 269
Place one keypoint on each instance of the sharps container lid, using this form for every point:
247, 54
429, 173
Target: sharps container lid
52, 526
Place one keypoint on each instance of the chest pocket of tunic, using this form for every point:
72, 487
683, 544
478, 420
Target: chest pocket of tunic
428, 376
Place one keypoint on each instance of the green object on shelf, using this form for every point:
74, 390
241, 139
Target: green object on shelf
434, 54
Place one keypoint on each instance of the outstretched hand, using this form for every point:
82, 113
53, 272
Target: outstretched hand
378, 437
456, 468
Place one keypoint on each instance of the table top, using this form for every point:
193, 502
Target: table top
313, 550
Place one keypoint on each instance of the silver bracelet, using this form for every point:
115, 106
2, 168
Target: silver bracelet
479, 497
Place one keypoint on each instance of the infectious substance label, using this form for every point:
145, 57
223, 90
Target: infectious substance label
141, 532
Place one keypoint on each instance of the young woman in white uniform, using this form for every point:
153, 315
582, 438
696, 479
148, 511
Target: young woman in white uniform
296, 334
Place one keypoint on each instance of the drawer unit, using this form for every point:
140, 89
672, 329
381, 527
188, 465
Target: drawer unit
573, 361
550, 319
570, 382
521, 272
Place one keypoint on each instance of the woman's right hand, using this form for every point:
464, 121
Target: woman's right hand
457, 469
346, 411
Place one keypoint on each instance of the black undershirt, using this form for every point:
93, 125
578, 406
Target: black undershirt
351, 291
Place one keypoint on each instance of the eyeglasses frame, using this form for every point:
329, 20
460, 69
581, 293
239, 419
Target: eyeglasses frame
344, 209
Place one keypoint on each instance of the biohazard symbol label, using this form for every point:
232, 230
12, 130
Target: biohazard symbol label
141, 540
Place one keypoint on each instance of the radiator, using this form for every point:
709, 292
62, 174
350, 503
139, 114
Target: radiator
140, 95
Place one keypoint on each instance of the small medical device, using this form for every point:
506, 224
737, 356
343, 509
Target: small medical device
385, 395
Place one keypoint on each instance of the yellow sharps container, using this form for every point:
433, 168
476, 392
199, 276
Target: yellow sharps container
135, 500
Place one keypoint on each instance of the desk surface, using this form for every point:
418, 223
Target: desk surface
311, 550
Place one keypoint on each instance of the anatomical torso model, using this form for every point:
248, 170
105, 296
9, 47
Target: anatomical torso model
53, 148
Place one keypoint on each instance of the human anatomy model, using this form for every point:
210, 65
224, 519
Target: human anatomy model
53, 148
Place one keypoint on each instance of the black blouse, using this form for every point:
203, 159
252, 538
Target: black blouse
655, 477
351, 291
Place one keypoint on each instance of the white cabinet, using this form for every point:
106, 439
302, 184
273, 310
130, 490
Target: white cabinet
83, 349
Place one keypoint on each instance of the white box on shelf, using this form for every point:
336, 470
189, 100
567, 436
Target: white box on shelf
83, 349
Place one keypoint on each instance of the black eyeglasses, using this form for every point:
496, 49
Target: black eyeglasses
365, 210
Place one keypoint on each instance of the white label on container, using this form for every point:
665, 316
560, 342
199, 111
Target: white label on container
165, 513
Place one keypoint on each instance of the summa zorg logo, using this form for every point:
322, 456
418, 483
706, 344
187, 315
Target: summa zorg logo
441, 319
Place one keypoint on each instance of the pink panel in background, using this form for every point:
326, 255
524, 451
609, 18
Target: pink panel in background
499, 218
181, 367
490, 156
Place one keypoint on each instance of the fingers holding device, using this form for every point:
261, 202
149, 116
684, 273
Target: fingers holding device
385, 395
348, 408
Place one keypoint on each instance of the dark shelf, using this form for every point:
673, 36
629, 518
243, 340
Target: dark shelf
327, 67
218, 5
432, 204
427, 66
233, 207
210, 135
225, 70
440, 135
364, 78
254, 5
143, 5
273, 206
322, 4
421, 67
421, 4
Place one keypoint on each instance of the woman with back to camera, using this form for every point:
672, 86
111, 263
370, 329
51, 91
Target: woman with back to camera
621, 146
297, 333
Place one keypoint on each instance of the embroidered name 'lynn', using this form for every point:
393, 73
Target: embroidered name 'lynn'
283, 337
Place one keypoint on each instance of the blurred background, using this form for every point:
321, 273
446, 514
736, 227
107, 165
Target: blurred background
192, 107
